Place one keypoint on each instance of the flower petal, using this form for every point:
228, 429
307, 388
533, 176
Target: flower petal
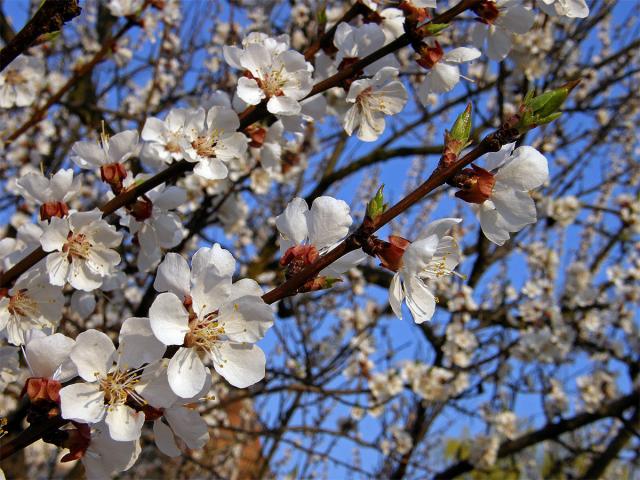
173, 275
93, 354
82, 402
125, 424
240, 364
187, 374
168, 318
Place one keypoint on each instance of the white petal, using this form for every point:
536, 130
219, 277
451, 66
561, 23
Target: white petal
93, 354
83, 303
164, 439
441, 227
154, 130
442, 77
328, 221
138, 345
344, 264
88, 155
517, 18
125, 424
82, 277
249, 91
257, 59
122, 145
495, 160
232, 55
82, 402
55, 234
211, 169
396, 295
517, 208
170, 198
283, 106
173, 275
246, 319
214, 260
526, 170
188, 425
222, 119
240, 364
187, 374
461, 54
420, 300
58, 267
292, 223
493, 225
45, 354
169, 319
498, 43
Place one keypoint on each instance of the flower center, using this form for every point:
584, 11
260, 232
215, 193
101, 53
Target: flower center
208, 331
272, 82
22, 305
206, 146
14, 77
119, 385
77, 246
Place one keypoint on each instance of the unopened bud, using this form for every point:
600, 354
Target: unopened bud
462, 127
543, 108
432, 29
376, 205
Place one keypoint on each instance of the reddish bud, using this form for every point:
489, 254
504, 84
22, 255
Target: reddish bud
476, 184
53, 209
429, 56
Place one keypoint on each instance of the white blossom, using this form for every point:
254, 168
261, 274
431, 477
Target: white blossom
20, 81
373, 99
110, 151
81, 247
444, 75
206, 314
506, 18
510, 207
38, 189
31, 303
276, 73
428, 258
565, 8
109, 381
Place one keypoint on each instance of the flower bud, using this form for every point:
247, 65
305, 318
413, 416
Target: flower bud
541, 109
376, 205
